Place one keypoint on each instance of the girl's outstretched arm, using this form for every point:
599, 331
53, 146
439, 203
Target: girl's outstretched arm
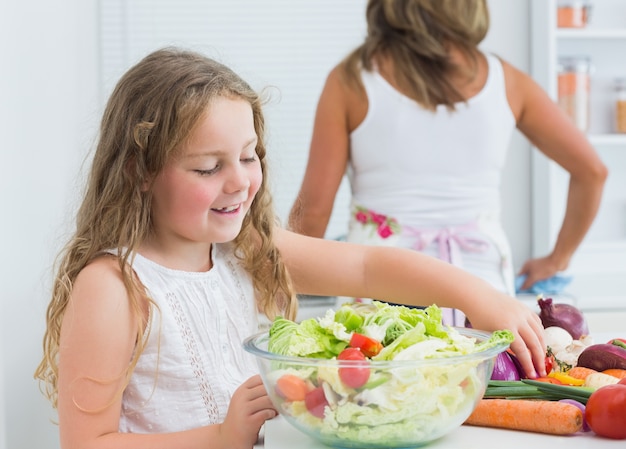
97, 341
325, 267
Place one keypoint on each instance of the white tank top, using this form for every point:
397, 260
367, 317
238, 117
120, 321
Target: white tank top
430, 168
194, 359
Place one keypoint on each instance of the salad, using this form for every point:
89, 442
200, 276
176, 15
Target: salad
393, 381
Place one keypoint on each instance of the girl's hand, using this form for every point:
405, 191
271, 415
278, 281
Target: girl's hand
249, 408
529, 345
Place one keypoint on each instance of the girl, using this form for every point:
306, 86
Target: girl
176, 250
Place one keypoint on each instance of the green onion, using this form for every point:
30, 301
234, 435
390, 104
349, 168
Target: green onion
532, 389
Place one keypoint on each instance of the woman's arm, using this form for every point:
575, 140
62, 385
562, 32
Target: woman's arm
97, 342
325, 267
550, 130
328, 158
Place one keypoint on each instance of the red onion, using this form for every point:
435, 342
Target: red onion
504, 368
564, 316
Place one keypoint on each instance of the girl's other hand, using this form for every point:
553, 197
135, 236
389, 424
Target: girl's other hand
249, 408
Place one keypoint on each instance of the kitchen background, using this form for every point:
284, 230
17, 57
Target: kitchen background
60, 60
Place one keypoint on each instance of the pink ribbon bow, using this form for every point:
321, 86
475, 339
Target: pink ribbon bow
451, 242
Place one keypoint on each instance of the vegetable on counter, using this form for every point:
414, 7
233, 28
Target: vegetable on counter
563, 349
564, 316
580, 372
597, 380
536, 389
582, 408
606, 412
551, 417
506, 368
603, 356
566, 379
619, 373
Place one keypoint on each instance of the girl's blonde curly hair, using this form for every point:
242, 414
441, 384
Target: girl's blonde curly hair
149, 116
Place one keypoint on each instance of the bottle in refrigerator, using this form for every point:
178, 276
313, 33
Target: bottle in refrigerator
620, 105
573, 13
574, 85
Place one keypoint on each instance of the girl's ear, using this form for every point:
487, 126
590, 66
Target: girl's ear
145, 186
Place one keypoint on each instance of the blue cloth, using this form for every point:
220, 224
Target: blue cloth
551, 286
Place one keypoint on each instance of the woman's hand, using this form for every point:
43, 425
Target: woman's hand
249, 408
539, 269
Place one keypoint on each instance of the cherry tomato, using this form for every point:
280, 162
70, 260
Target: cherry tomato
606, 411
357, 374
549, 361
368, 346
315, 402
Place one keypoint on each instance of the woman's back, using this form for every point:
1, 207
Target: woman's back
431, 167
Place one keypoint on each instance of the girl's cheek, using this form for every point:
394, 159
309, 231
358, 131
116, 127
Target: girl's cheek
255, 182
200, 197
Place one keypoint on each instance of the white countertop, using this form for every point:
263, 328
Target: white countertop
279, 434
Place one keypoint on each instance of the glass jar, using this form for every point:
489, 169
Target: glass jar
620, 105
573, 13
574, 83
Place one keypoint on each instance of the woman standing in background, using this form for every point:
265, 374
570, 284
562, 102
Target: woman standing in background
421, 119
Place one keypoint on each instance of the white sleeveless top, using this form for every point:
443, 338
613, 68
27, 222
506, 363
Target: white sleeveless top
430, 180
194, 359
431, 168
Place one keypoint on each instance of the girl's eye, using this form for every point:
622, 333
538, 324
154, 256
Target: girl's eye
207, 172
249, 159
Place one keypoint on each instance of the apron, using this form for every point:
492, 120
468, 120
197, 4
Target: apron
481, 242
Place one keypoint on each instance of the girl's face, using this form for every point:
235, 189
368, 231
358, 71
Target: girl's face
203, 194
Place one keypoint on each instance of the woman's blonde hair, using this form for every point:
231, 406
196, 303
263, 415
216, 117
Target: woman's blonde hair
149, 116
416, 36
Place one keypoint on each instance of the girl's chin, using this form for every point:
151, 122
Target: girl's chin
227, 236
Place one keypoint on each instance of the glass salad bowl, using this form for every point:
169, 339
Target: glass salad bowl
351, 401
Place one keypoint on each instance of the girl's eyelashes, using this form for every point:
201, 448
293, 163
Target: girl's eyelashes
211, 171
207, 172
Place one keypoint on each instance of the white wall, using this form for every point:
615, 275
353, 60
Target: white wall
48, 92
49, 106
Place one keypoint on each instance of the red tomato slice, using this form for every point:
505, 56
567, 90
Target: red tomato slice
315, 402
549, 361
356, 375
605, 411
368, 346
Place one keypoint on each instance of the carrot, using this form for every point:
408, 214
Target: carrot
616, 372
580, 372
291, 387
553, 417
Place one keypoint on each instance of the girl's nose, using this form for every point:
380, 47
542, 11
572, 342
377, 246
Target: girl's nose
238, 180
